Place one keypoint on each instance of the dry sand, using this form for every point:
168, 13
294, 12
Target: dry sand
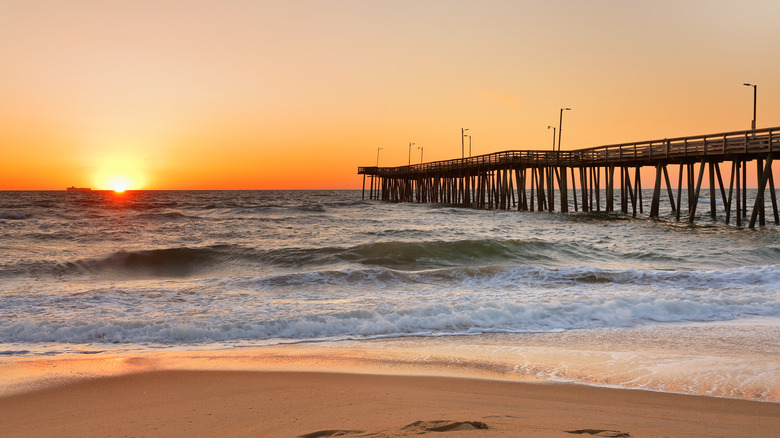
311, 404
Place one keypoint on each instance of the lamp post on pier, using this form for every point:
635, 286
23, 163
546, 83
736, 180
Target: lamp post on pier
410, 153
421, 153
560, 124
755, 93
377, 156
463, 142
553, 128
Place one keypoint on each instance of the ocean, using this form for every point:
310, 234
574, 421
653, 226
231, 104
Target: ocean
593, 298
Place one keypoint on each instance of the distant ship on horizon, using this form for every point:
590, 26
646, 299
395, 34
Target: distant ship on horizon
80, 189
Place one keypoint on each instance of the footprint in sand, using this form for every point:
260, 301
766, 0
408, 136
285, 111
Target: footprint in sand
330, 433
599, 432
444, 426
416, 428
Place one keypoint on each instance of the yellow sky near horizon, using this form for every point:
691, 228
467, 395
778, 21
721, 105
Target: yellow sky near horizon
240, 94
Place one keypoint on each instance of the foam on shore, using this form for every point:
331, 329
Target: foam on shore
738, 360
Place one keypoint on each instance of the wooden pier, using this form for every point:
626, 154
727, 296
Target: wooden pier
528, 180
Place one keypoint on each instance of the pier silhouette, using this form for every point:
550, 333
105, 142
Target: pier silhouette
529, 179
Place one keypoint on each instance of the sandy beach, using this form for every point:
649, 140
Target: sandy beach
313, 404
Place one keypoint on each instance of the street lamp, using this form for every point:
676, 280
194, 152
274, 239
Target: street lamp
755, 92
560, 123
410, 153
421, 152
553, 128
377, 156
463, 142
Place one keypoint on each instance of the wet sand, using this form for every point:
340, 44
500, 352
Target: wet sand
174, 403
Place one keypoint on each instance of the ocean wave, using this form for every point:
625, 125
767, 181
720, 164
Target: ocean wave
501, 277
168, 262
169, 215
516, 258
347, 204
182, 261
316, 320
13, 215
434, 254
311, 208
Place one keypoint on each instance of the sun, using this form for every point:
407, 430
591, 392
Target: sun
118, 169
119, 183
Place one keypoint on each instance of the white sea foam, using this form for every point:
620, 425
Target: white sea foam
378, 302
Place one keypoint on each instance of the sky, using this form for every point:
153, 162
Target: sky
242, 94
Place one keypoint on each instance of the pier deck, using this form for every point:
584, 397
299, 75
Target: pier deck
489, 181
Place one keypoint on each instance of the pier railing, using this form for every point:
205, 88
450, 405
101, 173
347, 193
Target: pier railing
711, 147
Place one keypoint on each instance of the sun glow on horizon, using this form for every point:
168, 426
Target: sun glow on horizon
118, 173
118, 183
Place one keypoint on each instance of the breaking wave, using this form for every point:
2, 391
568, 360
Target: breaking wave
404, 256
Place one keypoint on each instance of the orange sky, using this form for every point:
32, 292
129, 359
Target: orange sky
240, 94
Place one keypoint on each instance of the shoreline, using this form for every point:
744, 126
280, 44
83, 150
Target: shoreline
735, 361
404, 387
316, 404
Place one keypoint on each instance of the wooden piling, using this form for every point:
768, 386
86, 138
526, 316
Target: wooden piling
669, 188
609, 175
695, 199
656, 202
773, 196
711, 174
758, 207
564, 191
574, 189
731, 186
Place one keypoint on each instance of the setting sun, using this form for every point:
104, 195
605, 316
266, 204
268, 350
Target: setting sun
118, 172
119, 183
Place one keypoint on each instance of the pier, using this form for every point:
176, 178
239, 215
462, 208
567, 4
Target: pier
536, 180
